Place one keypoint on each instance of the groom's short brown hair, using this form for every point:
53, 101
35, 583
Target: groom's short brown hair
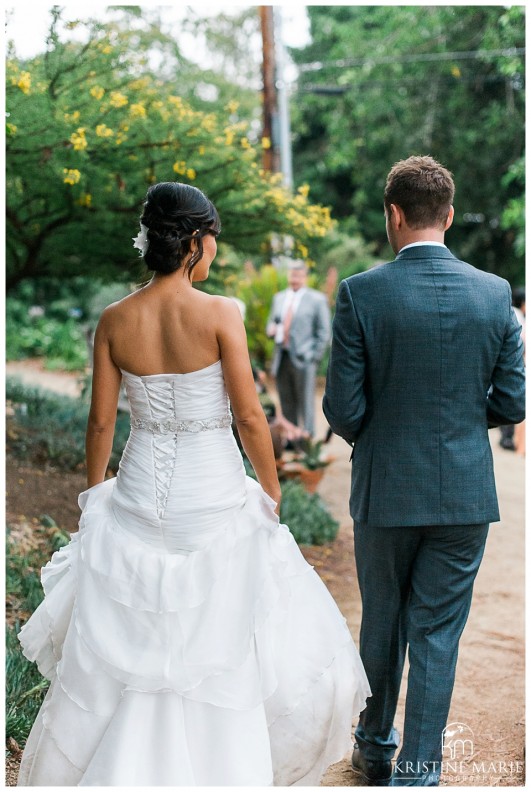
423, 189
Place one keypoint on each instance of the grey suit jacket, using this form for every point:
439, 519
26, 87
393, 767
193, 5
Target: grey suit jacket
426, 355
309, 332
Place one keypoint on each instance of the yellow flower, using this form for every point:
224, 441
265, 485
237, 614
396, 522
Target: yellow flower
209, 123
72, 116
78, 139
176, 100
180, 167
245, 143
72, 175
11, 129
106, 49
456, 71
191, 173
232, 106
303, 250
140, 84
138, 111
229, 137
118, 99
85, 199
102, 130
97, 92
304, 189
201, 150
266, 143
24, 82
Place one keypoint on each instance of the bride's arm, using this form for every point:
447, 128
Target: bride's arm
106, 379
250, 418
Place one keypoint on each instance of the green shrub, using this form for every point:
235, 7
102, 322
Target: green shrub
25, 689
59, 340
257, 289
306, 515
51, 428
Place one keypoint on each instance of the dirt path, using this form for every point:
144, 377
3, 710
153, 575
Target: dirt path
489, 690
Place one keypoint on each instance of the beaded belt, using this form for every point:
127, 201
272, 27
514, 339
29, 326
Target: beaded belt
172, 426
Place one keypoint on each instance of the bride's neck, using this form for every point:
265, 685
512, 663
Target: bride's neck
178, 280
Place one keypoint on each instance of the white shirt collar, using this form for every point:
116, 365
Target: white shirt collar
418, 244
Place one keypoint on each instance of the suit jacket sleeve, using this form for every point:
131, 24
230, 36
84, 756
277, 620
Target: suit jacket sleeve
321, 327
344, 401
506, 396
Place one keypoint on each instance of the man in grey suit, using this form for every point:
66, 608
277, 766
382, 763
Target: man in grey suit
299, 320
426, 356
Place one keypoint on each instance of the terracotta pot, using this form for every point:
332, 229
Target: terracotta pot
308, 478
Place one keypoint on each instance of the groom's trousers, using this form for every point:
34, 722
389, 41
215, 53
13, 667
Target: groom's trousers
416, 589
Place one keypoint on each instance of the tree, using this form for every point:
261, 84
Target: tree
385, 82
91, 125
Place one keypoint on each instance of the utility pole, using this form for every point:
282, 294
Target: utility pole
283, 104
271, 159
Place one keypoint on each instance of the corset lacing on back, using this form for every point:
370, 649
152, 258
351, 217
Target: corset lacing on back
167, 405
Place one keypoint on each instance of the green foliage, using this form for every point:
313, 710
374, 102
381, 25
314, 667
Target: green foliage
346, 253
22, 576
25, 689
390, 82
306, 515
311, 457
92, 125
45, 318
61, 343
513, 217
51, 428
256, 288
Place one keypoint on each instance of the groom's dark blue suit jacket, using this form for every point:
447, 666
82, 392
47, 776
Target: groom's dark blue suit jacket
426, 356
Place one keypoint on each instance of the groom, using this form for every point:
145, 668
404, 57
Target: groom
426, 356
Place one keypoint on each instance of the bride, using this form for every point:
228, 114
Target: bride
186, 639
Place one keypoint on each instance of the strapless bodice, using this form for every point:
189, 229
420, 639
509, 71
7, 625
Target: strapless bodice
194, 396
181, 474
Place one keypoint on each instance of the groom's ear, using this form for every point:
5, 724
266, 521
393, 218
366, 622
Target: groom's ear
449, 219
396, 216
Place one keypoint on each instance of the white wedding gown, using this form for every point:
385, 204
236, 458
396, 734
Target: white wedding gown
186, 639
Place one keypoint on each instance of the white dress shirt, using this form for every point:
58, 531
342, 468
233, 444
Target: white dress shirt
292, 299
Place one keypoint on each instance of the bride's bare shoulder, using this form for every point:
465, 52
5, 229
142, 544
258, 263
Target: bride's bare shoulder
227, 308
124, 304
114, 311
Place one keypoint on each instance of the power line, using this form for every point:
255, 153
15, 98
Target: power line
333, 90
421, 57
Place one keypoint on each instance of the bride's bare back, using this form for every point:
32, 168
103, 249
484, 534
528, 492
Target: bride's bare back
161, 330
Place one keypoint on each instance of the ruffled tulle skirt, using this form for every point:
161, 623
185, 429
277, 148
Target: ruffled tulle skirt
229, 665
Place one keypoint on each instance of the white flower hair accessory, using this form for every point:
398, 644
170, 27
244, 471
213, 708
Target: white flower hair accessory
141, 242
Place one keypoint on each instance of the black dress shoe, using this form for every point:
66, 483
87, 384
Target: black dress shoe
372, 773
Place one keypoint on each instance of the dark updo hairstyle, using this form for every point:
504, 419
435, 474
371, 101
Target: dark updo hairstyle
174, 214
